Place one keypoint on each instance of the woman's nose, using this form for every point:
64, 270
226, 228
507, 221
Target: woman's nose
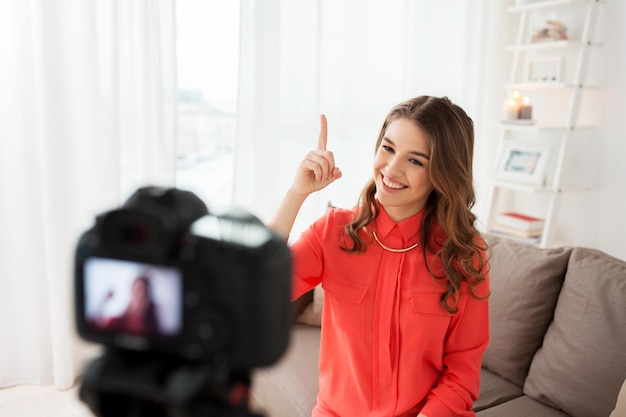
394, 167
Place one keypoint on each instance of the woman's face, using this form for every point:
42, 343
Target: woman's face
401, 169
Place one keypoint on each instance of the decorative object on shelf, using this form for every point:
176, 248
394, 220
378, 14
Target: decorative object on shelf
526, 109
510, 110
551, 32
544, 70
517, 109
524, 163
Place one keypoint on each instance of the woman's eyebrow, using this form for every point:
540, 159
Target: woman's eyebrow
423, 155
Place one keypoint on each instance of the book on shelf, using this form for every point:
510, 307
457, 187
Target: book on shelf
514, 231
520, 222
529, 240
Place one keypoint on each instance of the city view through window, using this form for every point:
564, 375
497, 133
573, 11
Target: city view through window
208, 58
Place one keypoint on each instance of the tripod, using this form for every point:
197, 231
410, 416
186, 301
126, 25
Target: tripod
131, 384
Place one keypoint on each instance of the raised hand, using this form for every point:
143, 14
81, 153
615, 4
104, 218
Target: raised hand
318, 169
315, 172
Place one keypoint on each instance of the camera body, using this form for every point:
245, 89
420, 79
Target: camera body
210, 288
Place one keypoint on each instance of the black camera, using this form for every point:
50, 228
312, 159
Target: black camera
185, 302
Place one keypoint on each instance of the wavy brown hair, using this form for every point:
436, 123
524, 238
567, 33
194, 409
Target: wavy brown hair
448, 225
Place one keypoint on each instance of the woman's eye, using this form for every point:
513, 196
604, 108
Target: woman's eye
416, 162
387, 148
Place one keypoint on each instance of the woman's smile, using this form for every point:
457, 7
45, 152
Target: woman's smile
390, 185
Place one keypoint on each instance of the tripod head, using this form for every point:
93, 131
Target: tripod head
130, 384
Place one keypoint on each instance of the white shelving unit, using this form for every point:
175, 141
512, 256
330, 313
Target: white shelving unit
583, 15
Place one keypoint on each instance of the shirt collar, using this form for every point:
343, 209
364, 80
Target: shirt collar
409, 228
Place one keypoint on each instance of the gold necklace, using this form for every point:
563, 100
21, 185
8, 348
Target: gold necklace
387, 248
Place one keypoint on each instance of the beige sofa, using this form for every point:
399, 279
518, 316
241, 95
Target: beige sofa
557, 348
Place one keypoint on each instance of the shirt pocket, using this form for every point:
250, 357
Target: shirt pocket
425, 323
346, 306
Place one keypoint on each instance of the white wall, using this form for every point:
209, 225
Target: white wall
608, 209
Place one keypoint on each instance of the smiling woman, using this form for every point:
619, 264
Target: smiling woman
408, 312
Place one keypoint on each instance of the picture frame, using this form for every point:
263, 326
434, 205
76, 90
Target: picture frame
544, 70
524, 163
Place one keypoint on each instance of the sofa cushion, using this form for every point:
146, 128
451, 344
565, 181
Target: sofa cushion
289, 387
525, 283
495, 390
521, 407
582, 363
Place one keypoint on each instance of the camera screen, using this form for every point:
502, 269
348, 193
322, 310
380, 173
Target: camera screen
133, 298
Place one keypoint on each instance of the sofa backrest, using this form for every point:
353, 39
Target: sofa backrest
582, 363
525, 283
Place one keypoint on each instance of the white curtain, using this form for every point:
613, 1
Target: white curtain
353, 60
87, 114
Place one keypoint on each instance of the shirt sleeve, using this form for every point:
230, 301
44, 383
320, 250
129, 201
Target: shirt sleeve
308, 259
459, 385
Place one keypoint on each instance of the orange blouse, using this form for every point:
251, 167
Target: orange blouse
388, 348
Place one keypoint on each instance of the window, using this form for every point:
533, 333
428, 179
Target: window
208, 60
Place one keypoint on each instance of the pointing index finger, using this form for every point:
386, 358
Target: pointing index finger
321, 141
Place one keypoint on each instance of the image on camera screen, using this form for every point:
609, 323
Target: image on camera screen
133, 298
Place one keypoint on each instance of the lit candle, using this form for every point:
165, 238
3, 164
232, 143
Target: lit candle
526, 109
511, 109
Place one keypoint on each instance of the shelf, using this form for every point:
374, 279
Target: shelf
539, 128
547, 86
537, 46
527, 188
546, 4
523, 123
544, 45
537, 189
550, 127
527, 240
538, 86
